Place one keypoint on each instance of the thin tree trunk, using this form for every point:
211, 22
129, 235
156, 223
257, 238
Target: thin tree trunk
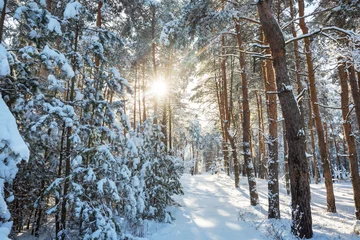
328, 152
330, 197
254, 197
226, 115
354, 92
272, 164
346, 164
170, 125
69, 133
2, 20
164, 122
143, 90
135, 91
235, 159
316, 172
153, 48
338, 162
298, 169
350, 139
286, 160
260, 137
57, 200
220, 100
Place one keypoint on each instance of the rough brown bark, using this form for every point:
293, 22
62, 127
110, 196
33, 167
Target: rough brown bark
298, 169
254, 198
350, 139
354, 92
272, 164
300, 88
272, 159
226, 116
338, 162
330, 197
260, 137
220, 100
316, 172
235, 159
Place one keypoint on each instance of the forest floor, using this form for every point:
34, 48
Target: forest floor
212, 209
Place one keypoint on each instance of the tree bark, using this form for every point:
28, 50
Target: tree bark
170, 125
316, 173
143, 90
226, 115
254, 198
272, 161
2, 20
330, 197
338, 162
298, 169
354, 92
259, 163
135, 91
153, 48
235, 159
286, 161
350, 139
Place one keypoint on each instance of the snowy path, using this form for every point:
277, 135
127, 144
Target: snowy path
209, 210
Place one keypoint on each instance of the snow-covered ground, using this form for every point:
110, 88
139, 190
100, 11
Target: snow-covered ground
213, 209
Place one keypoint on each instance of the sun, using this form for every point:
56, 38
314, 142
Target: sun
159, 88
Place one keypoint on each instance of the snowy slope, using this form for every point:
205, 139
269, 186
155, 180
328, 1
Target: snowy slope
213, 209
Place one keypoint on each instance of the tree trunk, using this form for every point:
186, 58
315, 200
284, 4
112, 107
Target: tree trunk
135, 91
143, 90
298, 169
272, 161
338, 162
286, 161
330, 198
235, 159
260, 138
170, 126
153, 48
164, 122
226, 115
355, 92
254, 198
316, 173
350, 139
2, 20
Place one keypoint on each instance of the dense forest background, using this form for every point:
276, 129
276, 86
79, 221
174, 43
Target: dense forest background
114, 100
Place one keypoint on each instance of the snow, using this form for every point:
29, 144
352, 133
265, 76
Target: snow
1, 4
213, 209
72, 10
4, 64
9, 133
208, 211
54, 25
5, 229
12, 150
49, 54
